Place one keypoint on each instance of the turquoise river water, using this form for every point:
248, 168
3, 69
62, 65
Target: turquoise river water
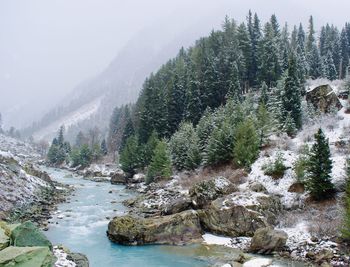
81, 223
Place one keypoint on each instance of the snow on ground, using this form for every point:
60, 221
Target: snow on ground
275, 186
258, 262
211, 239
299, 234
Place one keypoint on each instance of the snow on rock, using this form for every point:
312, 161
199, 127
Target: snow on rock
297, 235
61, 256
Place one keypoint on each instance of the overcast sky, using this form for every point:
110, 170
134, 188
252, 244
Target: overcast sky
47, 47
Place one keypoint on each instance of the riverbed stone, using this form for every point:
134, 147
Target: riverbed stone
26, 257
28, 235
267, 240
176, 229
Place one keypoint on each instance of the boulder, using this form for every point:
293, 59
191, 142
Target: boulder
118, 178
240, 214
79, 259
4, 239
137, 178
26, 257
176, 229
28, 235
267, 240
205, 191
297, 188
257, 187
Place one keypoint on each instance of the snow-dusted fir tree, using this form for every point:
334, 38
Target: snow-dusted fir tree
291, 99
246, 147
184, 148
160, 166
319, 169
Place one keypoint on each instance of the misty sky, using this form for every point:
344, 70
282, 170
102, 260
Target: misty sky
47, 47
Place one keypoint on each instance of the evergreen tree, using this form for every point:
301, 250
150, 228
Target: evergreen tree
129, 157
60, 138
319, 169
345, 50
128, 129
85, 155
264, 123
234, 89
289, 126
246, 147
147, 150
264, 94
291, 100
160, 166
220, 145
184, 148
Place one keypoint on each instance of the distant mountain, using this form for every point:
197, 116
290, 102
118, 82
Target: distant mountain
92, 102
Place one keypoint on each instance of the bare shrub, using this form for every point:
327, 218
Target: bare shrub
189, 178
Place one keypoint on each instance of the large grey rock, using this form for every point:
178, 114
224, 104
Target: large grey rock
180, 228
267, 240
118, 178
240, 214
205, 191
4, 239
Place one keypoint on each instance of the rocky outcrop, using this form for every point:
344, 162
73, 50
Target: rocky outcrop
26, 256
28, 235
160, 200
180, 228
267, 240
205, 191
240, 214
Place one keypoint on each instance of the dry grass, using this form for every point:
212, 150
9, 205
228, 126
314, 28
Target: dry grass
324, 218
189, 178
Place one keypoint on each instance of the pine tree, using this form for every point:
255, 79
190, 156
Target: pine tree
147, 150
85, 155
345, 56
291, 100
289, 126
160, 166
129, 157
319, 169
60, 138
184, 148
246, 146
264, 123
234, 89
264, 94
220, 145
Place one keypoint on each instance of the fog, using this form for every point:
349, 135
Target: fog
47, 47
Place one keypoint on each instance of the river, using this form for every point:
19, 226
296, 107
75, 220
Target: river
80, 224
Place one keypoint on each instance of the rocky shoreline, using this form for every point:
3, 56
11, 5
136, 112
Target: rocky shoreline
168, 213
